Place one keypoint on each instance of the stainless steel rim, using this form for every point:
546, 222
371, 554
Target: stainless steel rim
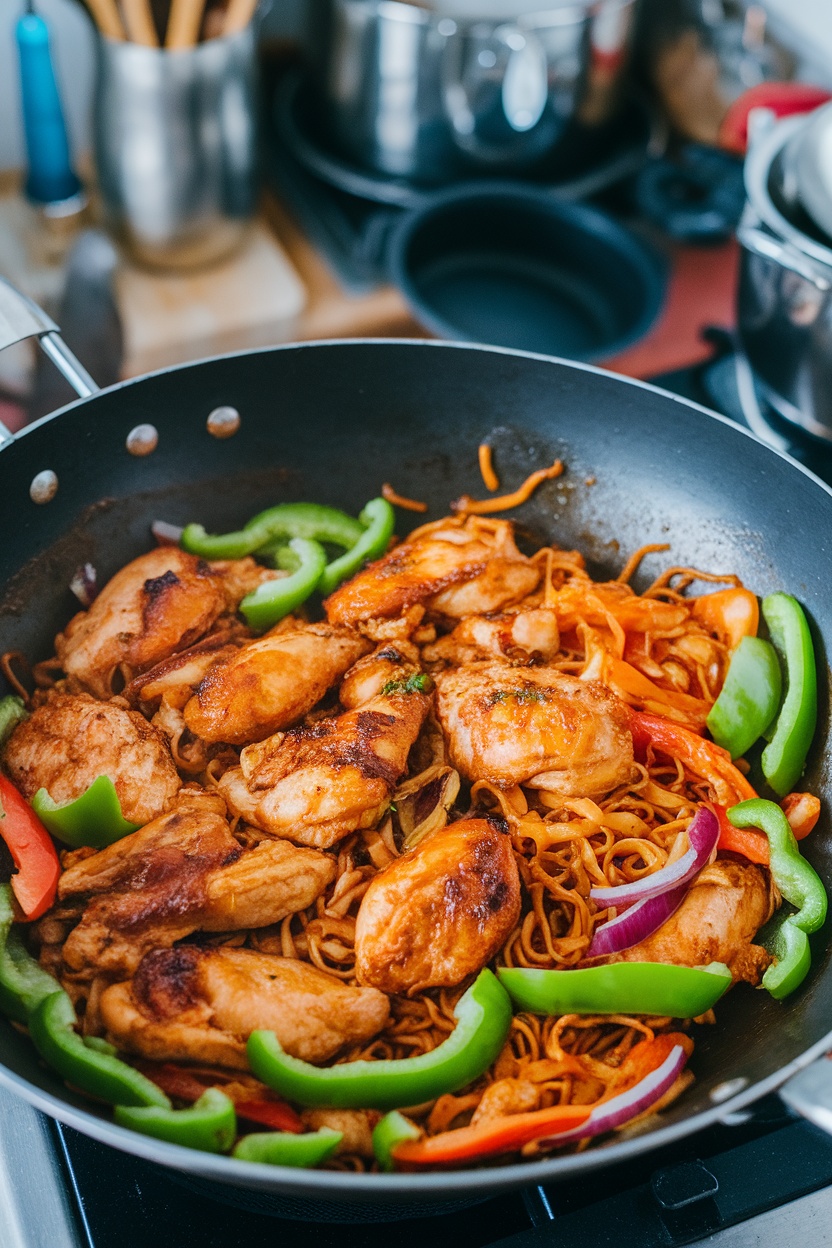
761, 156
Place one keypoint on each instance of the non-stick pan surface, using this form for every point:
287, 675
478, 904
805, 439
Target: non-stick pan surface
331, 422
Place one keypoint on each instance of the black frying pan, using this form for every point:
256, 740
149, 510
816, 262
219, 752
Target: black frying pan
331, 422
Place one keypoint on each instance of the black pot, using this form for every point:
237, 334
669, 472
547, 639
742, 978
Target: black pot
513, 266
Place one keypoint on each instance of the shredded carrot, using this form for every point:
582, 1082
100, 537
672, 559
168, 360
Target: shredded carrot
489, 476
484, 506
636, 557
399, 500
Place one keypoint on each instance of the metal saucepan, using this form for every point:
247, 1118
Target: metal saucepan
427, 91
331, 421
785, 289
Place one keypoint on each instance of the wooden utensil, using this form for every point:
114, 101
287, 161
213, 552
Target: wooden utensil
139, 22
106, 17
184, 23
238, 15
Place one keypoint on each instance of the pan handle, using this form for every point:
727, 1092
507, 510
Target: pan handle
20, 318
809, 1093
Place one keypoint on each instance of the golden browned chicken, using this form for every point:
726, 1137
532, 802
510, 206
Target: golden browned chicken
270, 683
534, 726
183, 873
434, 559
160, 603
73, 739
173, 681
439, 913
726, 906
317, 784
201, 1005
522, 637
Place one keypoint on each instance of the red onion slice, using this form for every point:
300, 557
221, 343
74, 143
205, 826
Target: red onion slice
620, 1109
703, 835
636, 923
166, 534
84, 585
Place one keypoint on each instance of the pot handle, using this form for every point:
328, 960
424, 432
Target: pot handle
759, 243
20, 318
809, 1093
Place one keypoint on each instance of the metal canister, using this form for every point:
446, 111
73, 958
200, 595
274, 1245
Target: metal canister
175, 147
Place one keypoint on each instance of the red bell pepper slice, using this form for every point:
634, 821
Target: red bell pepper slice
802, 811
274, 1114
746, 841
704, 758
488, 1139
36, 881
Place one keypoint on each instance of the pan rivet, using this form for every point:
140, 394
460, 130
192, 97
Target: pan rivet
44, 487
724, 1091
223, 422
142, 440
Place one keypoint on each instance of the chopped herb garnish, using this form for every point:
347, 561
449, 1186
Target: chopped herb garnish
419, 682
526, 694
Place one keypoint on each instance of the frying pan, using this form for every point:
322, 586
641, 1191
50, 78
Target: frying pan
331, 422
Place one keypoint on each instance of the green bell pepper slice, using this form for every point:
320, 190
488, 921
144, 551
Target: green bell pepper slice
23, 981
210, 1125
790, 735
52, 1028
378, 520
796, 879
12, 713
270, 601
393, 1129
619, 988
790, 946
799, 884
483, 1015
749, 698
284, 1148
275, 525
94, 819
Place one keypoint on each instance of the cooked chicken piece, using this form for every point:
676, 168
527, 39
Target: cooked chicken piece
73, 739
432, 559
439, 913
522, 637
727, 904
159, 603
173, 680
184, 873
317, 784
506, 1096
534, 726
201, 1005
270, 683
390, 663
356, 1126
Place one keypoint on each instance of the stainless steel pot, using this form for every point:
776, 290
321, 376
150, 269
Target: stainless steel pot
419, 92
785, 290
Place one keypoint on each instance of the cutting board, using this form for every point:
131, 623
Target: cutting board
252, 299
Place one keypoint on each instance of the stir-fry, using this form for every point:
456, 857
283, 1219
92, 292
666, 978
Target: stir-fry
328, 849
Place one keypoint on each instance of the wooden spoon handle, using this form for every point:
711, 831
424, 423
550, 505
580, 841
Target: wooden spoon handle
184, 23
238, 15
139, 22
106, 17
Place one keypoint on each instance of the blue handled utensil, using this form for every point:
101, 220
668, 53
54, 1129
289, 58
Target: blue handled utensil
51, 177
